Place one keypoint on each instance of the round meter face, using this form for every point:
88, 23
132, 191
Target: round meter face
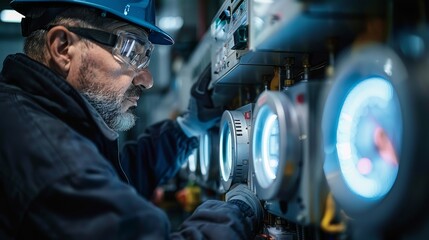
266, 146
275, 147
368, 138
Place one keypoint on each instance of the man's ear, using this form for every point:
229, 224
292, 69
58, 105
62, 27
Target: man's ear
59, 40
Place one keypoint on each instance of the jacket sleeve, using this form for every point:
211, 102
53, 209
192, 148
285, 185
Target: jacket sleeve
156, 156
95, 204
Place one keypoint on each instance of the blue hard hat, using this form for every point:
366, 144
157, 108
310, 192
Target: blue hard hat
138, 12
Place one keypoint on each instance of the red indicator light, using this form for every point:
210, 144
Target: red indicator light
247, 115
300, 98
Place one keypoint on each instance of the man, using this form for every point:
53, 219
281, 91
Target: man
62, 104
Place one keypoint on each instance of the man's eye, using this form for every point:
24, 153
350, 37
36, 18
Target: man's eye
132, 54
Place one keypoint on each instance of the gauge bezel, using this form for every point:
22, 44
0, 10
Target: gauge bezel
290, 147
355, 67
234, 124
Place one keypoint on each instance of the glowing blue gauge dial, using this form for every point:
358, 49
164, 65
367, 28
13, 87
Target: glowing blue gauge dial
226, 153
368, 138
275, 146
204, 153
266, 145
234, 146
192, 161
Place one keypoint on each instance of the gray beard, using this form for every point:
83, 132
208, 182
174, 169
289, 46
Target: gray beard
110, 111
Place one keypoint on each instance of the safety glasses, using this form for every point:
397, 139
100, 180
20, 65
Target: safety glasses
128, 48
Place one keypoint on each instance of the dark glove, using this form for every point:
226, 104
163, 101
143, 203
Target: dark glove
201, 114
248, 203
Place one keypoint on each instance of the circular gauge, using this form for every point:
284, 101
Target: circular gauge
192, 161
266, 146
368, 138
363, 129
205, 144
234, 146
209, 159
276, 149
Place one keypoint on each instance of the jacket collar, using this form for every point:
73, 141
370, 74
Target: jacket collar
53, 92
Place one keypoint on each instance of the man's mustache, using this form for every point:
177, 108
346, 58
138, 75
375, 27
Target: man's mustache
133, 91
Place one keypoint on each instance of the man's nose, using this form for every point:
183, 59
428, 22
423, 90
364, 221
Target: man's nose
143, 78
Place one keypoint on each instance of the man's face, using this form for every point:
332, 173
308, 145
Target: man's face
111, 87
110, 99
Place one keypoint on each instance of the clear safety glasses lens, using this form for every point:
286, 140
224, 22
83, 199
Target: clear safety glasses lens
132, 49
128, 48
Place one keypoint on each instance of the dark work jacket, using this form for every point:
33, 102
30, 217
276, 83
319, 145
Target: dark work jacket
61, 176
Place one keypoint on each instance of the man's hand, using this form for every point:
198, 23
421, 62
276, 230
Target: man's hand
201, 114
248, 203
